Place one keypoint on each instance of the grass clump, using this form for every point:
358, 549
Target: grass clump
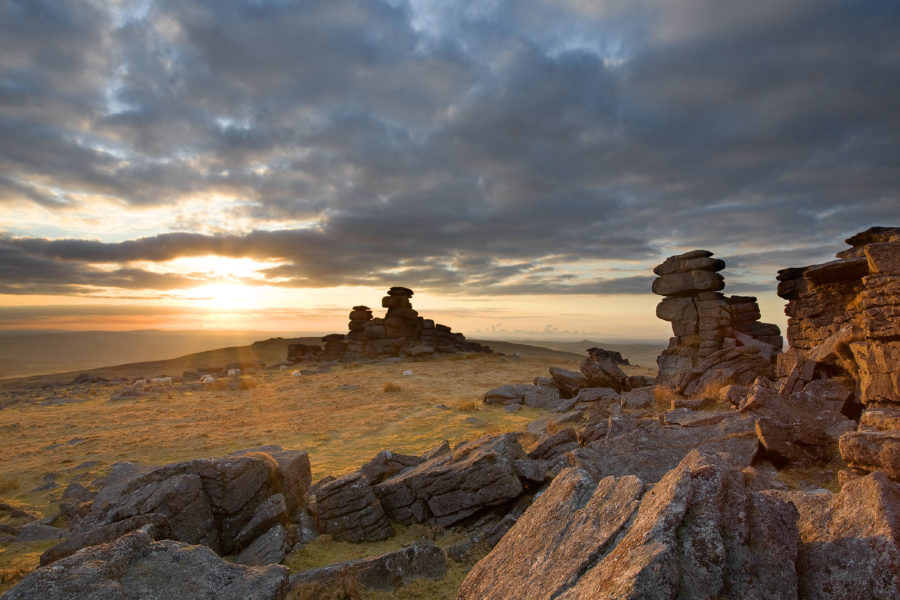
467, 406
392, 388
8, 484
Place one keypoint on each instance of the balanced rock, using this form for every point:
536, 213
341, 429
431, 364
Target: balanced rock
705, 321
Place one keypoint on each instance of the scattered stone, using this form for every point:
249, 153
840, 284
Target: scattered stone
38, 532
269, 548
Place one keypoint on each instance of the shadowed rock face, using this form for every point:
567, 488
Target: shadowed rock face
692, 536
134, 566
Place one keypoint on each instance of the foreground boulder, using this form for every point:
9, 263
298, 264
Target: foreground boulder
221, 502
348, 510
135, 566
694, 535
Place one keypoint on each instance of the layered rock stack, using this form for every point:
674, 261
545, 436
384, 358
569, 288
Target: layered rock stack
844, 325
360, 317
704, 320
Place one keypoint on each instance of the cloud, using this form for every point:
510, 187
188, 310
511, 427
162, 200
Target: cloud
491, 148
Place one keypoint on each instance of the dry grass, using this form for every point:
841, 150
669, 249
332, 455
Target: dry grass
392, 388
664, 395
467, 406
8, 484
341, 428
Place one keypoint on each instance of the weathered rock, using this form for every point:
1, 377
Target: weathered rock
604, 373
555, 446
349, 511
868, 451
849, 542
391, 571
604, 395
106, 534
268, 513
802, 429
648, 449
740, 365
535, 396
688, 283
569, 382
207, 501
451, 487
267, 549
39, 532
386, 464
694, 535
691, 418
134, 566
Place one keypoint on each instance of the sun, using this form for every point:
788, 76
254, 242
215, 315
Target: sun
224, 296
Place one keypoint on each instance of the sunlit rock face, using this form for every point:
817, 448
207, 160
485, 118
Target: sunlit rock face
844, 323
704, 320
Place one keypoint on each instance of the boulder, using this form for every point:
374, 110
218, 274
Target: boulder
604, 373
694, 535
569, 382
205, 501
451, 487
387, 464
156, 524
688, 283
134, 566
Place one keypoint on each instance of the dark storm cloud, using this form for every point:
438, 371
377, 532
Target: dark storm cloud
470, 148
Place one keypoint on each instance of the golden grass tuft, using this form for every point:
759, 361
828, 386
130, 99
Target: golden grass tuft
663, 395
345, 587
392, 388
466, 406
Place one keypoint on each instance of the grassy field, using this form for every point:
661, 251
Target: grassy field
60, 432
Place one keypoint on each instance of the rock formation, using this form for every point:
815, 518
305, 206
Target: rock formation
402, 332
704, 321
844, 325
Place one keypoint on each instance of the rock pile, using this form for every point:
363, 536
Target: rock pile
704, 320
844, 325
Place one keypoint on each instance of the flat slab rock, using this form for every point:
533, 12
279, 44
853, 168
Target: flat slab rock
693, 535
387, 572
648, 449
135, 566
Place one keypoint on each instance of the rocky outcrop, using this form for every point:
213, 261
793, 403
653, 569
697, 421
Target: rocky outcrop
135, 566
401, 332
691, 536
704, 321
221, 503
450, 487
844, 323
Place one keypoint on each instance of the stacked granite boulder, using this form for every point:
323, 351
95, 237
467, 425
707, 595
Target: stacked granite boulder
704, 320
356, 338
334, 348
844, 326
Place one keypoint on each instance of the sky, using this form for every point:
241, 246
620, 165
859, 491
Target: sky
522, 165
